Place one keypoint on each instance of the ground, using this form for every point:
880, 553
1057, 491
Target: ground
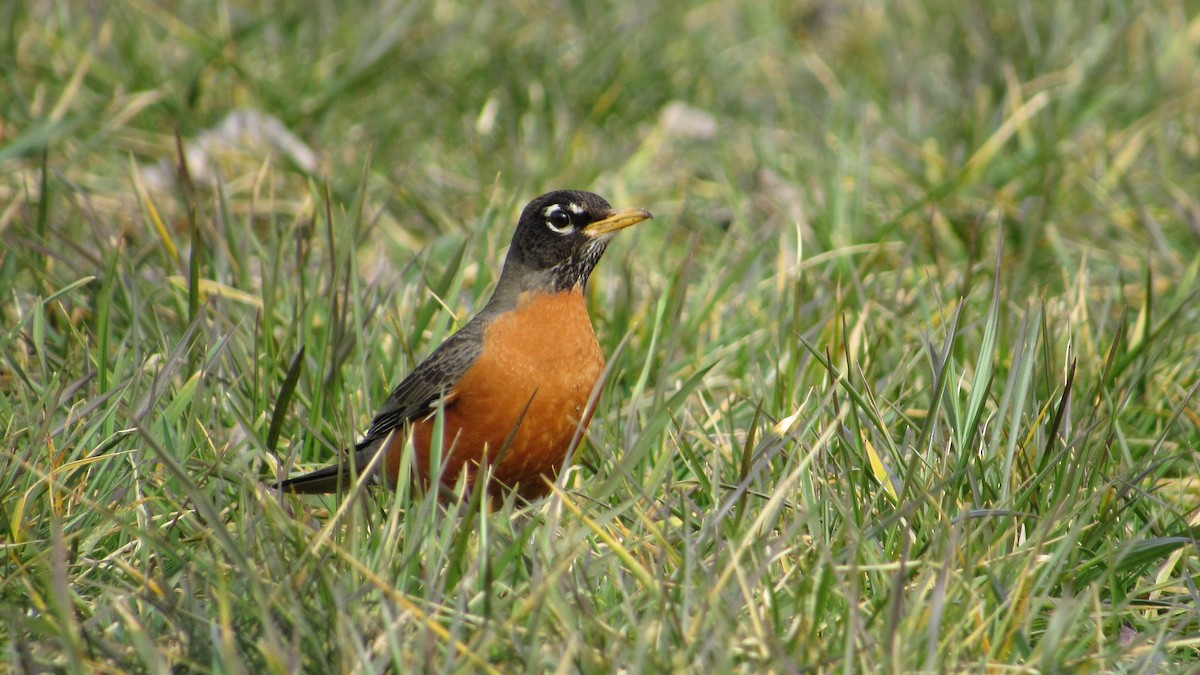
903, 375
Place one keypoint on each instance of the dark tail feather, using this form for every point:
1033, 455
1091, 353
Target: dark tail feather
335, 478
338, 477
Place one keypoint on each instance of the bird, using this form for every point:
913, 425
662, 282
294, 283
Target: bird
514, 385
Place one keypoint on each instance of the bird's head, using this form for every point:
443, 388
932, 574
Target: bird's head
560, 238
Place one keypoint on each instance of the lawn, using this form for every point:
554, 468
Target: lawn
903, 376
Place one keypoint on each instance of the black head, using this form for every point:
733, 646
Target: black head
560, 238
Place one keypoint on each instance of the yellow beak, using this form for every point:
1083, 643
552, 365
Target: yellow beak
617, 219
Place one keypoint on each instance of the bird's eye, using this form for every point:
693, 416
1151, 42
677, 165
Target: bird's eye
558, 220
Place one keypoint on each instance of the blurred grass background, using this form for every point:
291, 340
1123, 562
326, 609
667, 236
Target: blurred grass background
904, 370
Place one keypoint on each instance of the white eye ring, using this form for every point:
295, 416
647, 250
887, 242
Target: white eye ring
557, 219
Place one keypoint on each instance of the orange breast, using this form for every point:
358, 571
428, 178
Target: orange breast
541, 360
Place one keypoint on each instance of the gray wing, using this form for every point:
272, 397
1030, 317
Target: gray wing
433, 378
414, 397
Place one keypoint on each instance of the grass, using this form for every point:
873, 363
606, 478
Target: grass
903, 374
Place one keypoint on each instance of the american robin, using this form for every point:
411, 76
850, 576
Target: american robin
514, 383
